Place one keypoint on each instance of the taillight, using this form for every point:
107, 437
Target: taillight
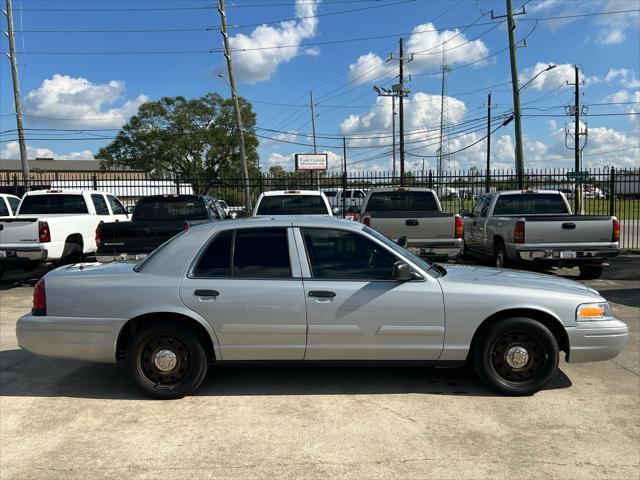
366, 219
98, 236
459, 227
44, 234
616, 231
39, 299
186, 226
518, 232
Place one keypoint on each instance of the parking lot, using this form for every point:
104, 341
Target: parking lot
63, 419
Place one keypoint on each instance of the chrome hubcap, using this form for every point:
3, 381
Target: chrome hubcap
165, 360
517, 357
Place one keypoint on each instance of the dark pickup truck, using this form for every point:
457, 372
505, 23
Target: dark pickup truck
155, 220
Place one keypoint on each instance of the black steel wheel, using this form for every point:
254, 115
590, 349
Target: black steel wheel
166, 362
516, 356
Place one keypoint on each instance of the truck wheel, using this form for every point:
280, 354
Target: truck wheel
166, 362
517, 356
71, 254
500, 256
590, 272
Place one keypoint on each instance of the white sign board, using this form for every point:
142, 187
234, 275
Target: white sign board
311, 161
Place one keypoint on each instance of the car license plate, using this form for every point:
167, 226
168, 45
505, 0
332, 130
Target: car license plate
3, 254
141, 256
568, 254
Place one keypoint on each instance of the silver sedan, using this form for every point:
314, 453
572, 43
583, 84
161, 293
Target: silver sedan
303, 289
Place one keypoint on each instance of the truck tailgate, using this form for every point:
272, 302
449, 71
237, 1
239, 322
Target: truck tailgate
415, 225
568, 229
137, 237
14, 231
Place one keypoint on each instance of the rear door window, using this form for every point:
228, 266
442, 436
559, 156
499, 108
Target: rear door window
216, 259
116, 206
292, 205
261, 253
402, 202
100, 204
53, 203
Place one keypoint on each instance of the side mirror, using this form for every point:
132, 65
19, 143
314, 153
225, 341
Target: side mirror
402, 272
465, 213
402, 241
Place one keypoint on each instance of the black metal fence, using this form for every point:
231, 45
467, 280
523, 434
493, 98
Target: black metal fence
606, 191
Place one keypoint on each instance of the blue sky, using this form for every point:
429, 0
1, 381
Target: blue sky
71, 79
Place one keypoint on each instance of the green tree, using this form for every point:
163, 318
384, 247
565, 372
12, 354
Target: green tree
194, 139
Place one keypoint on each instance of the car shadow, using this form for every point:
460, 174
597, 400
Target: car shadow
624, 296
25, 375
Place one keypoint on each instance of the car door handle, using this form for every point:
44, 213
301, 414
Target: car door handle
412, 222
321, 294
206, 293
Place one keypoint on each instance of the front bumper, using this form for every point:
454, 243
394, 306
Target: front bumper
596, 341
87, 339
23, 254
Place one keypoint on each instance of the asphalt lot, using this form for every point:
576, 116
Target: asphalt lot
63, 419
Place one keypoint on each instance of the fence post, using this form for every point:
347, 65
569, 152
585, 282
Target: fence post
344, 189
261, 182
178, 184
94, 180
15, 185
612, 192
431, 179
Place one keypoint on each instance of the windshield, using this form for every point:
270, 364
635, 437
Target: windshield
426, 266
402, 202
170, 208
292, 205
53, 203
531, 204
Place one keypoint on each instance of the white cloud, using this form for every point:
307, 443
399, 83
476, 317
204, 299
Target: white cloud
626, 77
553, 78
426, 44
613, 28
11, 151
254, 66
81, 102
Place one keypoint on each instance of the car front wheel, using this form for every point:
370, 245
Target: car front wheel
166, 362
516, 356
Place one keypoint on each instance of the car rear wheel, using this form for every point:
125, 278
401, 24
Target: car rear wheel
590, 272
516, 356
500, 256
166, 362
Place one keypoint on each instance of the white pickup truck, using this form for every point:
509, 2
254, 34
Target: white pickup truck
416, 214
55, 226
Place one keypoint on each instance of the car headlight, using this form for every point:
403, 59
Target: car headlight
594, 312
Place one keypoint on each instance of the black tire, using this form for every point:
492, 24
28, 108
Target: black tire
183, 377
494, 366
500, 258
71, 254
464, 251
1, 273
590, 272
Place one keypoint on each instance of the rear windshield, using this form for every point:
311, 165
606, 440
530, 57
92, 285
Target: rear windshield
402, 202
531, 204
53, 203
170, 208
292, 205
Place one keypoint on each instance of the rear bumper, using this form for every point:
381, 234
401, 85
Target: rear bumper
439, 249
564, 255
12, 255
88, 339
596, 341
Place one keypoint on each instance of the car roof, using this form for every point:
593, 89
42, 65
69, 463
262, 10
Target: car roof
66, 191
533, 190
281, 221
293, 191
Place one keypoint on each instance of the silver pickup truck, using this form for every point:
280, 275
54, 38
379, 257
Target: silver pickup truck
538, 227
414, 213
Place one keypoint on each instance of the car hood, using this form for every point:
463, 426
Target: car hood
513, 278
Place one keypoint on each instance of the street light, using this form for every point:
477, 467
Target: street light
549, 67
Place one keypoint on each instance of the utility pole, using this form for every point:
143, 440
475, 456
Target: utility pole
393, 134
16, 93
401, 81
487, 185
444, 141
511, 26
313, 129
577, 150
344, 175
236, 105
